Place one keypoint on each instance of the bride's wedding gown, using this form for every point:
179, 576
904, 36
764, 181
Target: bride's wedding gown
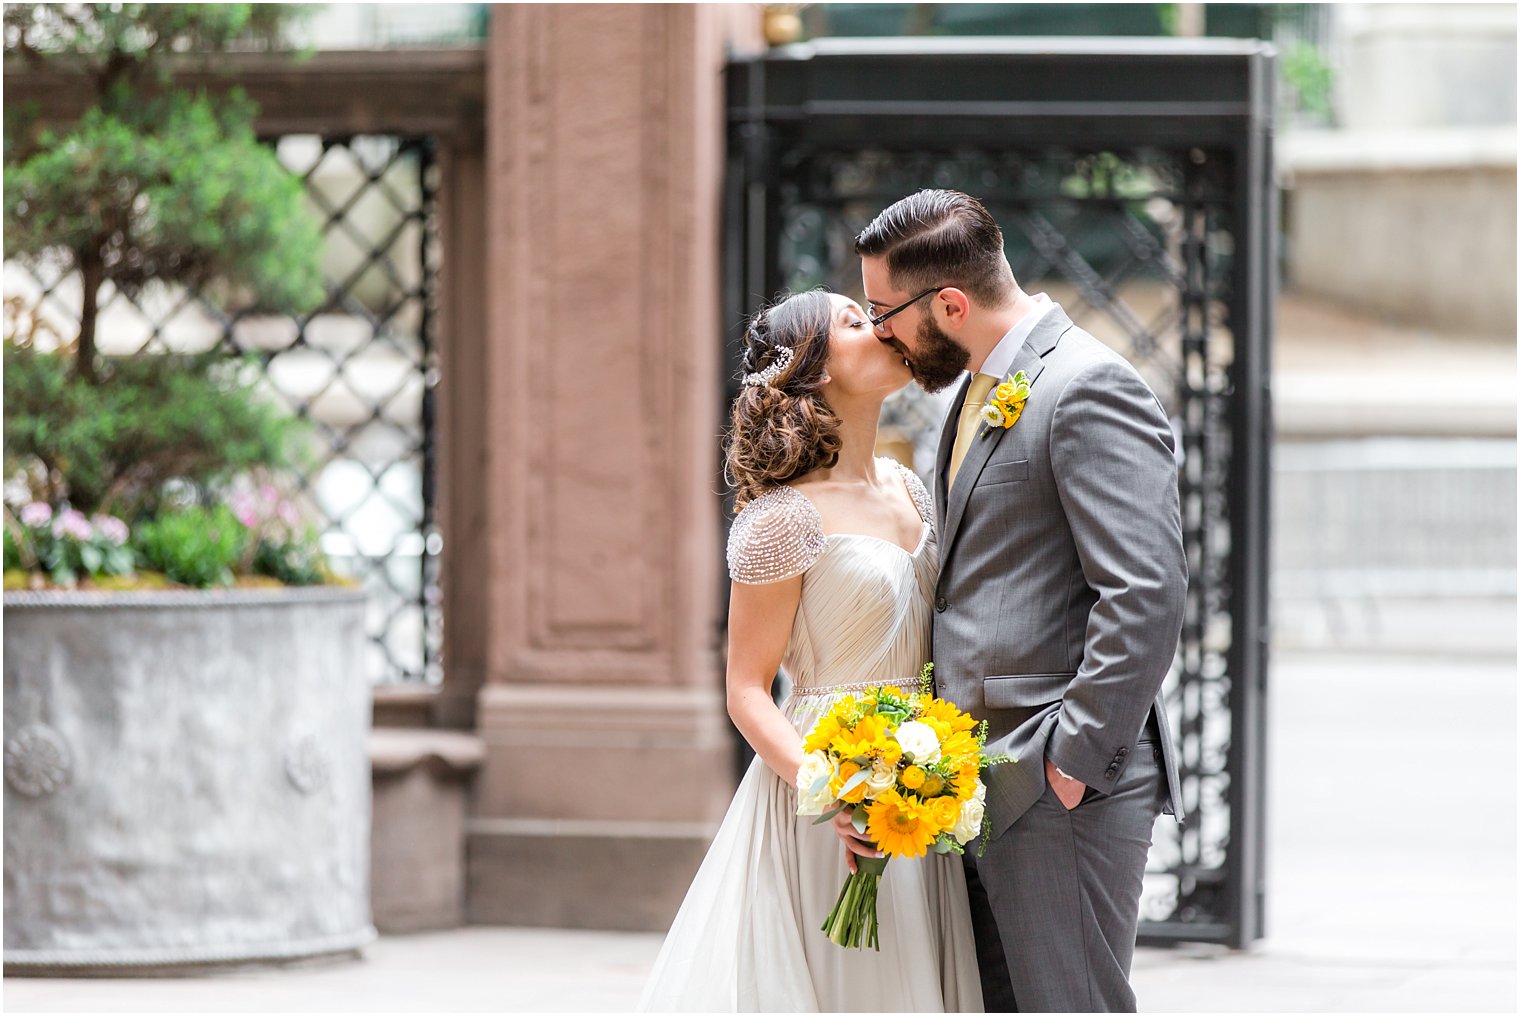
747, 938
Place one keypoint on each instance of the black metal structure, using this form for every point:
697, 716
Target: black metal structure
1133, 181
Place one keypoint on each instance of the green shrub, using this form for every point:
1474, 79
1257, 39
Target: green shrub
155, 418
194, 546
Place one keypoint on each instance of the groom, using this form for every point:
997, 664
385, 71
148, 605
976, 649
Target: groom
1059, 602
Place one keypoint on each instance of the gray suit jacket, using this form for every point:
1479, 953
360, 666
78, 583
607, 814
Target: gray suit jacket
1062, 576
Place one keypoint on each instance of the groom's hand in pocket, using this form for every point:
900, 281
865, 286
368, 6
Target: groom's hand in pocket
1068, 791
855, 841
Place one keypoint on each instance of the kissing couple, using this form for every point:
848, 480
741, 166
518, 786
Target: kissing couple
1045, 578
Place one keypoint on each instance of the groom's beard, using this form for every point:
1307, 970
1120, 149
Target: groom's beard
940, 358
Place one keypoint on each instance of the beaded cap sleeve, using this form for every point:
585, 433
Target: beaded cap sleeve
776, 536
916, 489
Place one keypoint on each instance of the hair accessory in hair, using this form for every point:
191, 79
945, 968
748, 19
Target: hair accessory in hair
768, 375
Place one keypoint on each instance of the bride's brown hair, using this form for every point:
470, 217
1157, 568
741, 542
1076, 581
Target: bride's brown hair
783, 429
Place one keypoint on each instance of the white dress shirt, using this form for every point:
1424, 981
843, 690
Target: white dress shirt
1000, 361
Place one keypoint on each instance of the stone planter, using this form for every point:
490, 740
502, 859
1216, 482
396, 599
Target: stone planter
186, 778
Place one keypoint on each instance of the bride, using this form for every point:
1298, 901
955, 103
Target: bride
833, 561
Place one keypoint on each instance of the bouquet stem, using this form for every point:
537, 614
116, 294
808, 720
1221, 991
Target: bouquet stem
852, 922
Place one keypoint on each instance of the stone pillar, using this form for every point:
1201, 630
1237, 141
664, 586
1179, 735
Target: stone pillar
609, 757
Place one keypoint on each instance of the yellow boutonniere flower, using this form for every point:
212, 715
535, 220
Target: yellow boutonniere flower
1007, 403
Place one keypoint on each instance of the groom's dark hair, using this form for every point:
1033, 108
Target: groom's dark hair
940, 238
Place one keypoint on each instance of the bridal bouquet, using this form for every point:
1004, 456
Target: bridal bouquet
910, 766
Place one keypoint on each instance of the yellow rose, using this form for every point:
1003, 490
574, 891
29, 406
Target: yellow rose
1004, 391
945, 811
857, 793
940, 727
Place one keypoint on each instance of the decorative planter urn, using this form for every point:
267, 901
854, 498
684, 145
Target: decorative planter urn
186, 778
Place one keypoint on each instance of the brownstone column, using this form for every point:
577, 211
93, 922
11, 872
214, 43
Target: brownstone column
609, 757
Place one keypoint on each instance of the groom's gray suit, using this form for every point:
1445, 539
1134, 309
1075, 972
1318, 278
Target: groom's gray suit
1059, 603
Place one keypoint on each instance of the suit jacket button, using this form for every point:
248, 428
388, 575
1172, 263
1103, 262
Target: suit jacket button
940, 603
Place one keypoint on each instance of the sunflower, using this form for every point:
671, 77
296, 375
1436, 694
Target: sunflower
959, 745
965, 781
901, 827
823, 732
939, 709
869, 735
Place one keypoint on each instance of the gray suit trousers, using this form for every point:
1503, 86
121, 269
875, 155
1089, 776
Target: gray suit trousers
1067, 888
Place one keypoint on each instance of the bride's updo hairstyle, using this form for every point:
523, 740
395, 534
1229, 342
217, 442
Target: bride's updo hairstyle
781, 427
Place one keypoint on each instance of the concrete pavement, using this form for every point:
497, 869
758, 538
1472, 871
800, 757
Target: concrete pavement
1391, 883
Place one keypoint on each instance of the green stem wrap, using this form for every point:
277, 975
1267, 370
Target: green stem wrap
852, 923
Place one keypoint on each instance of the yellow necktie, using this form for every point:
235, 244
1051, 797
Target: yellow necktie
966, 427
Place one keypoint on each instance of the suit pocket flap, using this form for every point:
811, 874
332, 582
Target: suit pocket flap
1014, 691
1003, 472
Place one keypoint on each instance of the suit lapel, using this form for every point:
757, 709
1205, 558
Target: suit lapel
946, 445
1040, 341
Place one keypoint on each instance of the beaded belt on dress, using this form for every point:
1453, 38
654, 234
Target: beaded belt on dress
901, 682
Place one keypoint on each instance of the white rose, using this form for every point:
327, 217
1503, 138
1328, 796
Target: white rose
815, 766
883, 778
969, 826
919, 740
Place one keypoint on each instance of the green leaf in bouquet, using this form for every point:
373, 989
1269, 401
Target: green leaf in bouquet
858, 820
821, 819
819, 783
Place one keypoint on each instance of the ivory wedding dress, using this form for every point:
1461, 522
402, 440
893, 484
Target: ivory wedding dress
748, 936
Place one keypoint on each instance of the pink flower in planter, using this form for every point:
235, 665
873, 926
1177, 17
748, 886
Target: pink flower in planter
37, 513
72, 523
111, 527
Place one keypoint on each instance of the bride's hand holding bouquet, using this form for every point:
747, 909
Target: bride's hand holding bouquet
907, 769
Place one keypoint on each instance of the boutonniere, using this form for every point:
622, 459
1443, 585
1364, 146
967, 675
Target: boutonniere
1006, 403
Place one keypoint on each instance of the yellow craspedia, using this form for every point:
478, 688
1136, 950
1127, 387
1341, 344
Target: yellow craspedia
900, 826
890, 751
857, 793
912, 777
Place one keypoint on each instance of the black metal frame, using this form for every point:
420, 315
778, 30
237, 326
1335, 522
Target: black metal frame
1193, 116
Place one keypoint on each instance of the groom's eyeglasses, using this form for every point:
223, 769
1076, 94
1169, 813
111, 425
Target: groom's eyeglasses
876, 321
